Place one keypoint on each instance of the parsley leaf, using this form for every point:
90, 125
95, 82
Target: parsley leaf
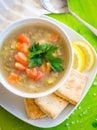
52, 49
38, 53
36, 61
56, 64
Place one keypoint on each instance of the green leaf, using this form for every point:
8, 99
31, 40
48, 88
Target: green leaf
32, 63
56, 59
39, 61
33, 47
44, 47
40, 52
33, 54
52, 49
36, 61
56, 64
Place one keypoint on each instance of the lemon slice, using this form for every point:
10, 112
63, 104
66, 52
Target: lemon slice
79, 58
88, 52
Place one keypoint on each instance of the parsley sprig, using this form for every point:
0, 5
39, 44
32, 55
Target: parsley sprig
38, 53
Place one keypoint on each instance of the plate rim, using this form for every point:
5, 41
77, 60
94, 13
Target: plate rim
81, 97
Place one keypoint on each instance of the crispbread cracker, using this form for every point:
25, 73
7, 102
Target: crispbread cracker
51, 105
33, 111
73, 87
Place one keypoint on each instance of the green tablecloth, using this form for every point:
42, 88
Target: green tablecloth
85, 116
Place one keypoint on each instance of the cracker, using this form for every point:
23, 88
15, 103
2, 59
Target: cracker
51, 105
33, 111
73, 87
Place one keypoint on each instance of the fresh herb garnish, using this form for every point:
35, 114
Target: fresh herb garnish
38, 53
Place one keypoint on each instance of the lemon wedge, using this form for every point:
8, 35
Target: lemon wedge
88, 53
79, 58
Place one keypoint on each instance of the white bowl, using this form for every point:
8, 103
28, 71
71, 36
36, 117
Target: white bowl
5, 33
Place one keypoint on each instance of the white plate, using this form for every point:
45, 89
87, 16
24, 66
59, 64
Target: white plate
15, 104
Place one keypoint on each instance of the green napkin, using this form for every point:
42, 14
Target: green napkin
85, 116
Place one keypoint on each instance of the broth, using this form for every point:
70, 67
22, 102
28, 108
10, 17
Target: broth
40, 34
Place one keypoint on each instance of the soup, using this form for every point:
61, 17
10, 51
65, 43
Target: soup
34, 58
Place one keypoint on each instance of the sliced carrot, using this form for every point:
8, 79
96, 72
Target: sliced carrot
31, 73
34, 73
13, 77
53, 37
22, 47
45, 67
19, 66
22, 38
39, 75
48, 67
21, 58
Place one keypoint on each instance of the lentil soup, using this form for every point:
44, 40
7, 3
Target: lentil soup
34, 58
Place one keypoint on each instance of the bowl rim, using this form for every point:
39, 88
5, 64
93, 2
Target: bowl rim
19, 23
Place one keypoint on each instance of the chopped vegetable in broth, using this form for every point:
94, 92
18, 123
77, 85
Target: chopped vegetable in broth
34, 58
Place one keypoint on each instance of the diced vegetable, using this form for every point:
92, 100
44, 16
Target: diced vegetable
53, 37
34, 74
22, 47
13, 77
21, 58
19, 66
48, 68
45, 67
22, 38
39, 75
50, 80
31, 72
